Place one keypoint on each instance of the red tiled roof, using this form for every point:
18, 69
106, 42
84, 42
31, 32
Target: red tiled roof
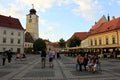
99, 23
80, 35
108, 26
28, 37
10, 22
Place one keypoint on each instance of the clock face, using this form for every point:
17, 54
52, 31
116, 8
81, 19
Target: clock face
30, 20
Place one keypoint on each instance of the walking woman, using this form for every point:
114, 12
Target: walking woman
51, 56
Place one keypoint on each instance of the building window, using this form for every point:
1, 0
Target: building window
91, 42
18, 41
4, 32
113, 39
12, 41
4, 40
30, 20
100, 41
11, 49
12, 33
95, 41
19, 34
3, 49
107, 41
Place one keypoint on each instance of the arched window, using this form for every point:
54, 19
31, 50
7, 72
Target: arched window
113, 39
91, 42
107, 40
100, 41
95, 41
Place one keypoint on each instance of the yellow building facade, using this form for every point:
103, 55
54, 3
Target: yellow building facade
103, 38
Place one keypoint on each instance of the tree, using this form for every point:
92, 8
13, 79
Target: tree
75, 41
62, 43
39, 44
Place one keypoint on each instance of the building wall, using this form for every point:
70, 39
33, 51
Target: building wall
84, 43
32, 25
13, 36
118, 33
28, 45
103, 36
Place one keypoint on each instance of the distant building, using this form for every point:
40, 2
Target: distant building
103, 37
32, 24
28, 45
80, 35
11, 34
32, 30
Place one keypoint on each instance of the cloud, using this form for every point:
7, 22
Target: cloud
118, 1
53, 36
87, 8
13, 10
66, 2
41, 5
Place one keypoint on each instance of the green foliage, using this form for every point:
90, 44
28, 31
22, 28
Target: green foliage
62, 43
74, 42
39, 44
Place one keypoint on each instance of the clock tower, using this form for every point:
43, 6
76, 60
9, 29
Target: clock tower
32, 23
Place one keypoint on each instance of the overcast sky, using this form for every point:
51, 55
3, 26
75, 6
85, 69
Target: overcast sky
61, 18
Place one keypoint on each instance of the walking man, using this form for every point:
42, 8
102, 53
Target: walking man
43, 57
9, 56
4, 56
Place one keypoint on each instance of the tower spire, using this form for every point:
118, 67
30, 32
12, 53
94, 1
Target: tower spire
32, 6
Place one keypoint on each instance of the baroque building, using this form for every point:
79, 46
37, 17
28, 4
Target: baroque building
11, 34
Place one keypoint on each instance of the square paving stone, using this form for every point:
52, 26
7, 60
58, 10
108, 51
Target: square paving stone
40, 74
116, 70
84, 73
107, 65
3, 73
11, 67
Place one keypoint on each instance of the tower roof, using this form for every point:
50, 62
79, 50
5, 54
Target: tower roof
32, 11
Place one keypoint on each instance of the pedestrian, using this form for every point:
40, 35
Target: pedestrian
77, 62
4, 56
53, 53
81, 60
9, 56
51, 56
58, 55
85, 62
43, 58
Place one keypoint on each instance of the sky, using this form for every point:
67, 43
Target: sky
61, 18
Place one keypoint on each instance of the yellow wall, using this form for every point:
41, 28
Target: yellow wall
103, 38
32, 26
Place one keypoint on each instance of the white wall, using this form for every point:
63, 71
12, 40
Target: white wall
8, 45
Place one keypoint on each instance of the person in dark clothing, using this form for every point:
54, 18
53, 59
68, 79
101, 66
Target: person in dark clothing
85, 62
43, 58
4, 56
9, 56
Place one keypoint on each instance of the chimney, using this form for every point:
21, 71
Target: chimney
113, 17
108, 17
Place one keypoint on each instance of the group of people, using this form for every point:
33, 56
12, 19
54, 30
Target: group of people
89, 62
6, 55
51, 54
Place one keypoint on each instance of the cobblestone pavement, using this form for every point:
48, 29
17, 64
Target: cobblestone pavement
64, 69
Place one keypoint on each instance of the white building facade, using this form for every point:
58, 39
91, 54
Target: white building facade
11, 35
